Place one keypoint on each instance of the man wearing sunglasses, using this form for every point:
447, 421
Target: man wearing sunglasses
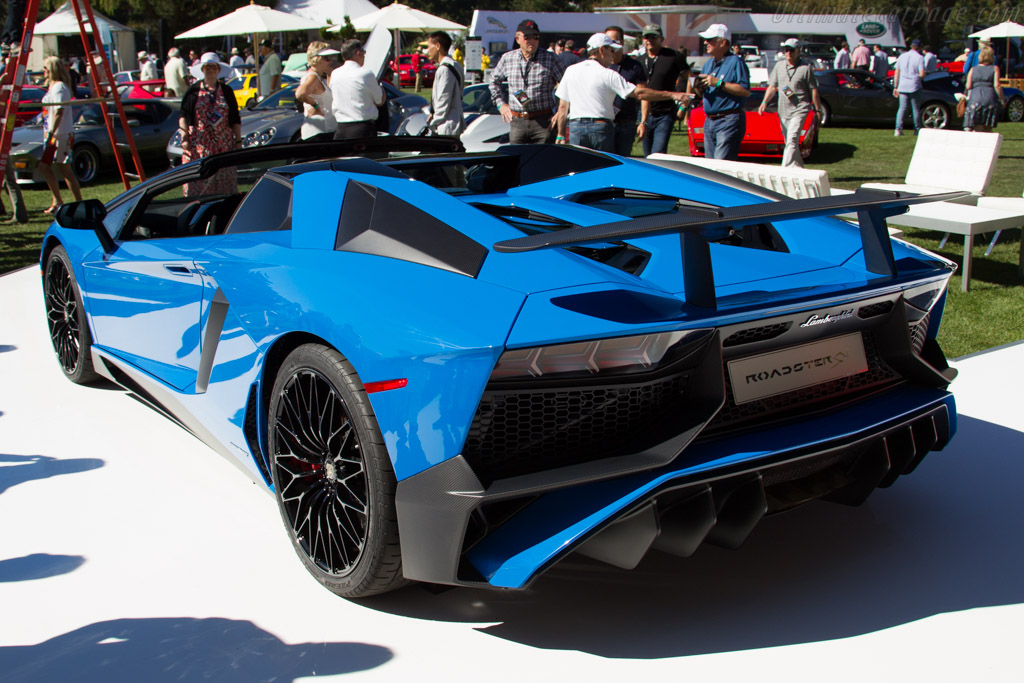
794, 79
724, 82
531, 76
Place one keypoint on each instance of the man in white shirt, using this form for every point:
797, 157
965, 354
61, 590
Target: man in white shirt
587, 95
270, 72
357, 94
175, 74
236, 59
842, 60
908, 85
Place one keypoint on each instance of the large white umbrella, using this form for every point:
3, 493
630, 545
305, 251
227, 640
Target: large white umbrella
251, 19
1007, 29
398, 17
324, 10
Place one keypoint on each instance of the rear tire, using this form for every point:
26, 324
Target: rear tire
85, 162
826, 115
1015, 109
65, 317
332, 476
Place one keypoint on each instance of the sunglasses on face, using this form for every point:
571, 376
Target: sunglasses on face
532, 36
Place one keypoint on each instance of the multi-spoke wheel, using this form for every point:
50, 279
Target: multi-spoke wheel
69, 330
935, 115
332, 475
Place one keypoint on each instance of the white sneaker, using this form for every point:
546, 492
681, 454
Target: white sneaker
898, 133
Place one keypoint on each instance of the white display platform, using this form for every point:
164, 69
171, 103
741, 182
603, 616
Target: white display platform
129, 551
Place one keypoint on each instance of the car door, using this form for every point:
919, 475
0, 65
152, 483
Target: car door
145, 298
878, 102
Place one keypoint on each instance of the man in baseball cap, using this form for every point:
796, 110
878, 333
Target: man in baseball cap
663, 67
587, 96
797, 86
530, 75
725, 83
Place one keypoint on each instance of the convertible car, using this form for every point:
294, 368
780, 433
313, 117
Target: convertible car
856, 96
463, 368
763, 137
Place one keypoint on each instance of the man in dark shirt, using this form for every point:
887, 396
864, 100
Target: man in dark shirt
626, 124
568, 56
661, 67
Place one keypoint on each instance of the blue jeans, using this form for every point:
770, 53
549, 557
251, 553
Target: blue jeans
625, 133
915, 104
596, 134
658, 129
722, 137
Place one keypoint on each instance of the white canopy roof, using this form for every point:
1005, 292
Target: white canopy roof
323, 10
63, 21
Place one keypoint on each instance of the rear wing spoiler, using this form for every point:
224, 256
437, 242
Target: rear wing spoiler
872, 208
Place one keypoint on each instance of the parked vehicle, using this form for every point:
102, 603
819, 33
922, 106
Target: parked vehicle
277, 120
763, 137
856, 96
246, 85
465, 369
152, 123
405, 70
954, 82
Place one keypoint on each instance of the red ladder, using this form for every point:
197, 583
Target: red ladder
104, 87
12, 82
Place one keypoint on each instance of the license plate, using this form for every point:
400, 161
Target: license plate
802, 366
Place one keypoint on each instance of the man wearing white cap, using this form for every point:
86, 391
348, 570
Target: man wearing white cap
794, 79
587, 95
725, 83
147, 68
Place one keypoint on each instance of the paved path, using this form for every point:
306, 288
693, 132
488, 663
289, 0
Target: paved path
129, 551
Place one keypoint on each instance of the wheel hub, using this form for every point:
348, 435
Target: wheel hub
330, 471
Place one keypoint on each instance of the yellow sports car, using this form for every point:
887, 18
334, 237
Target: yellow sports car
245, 88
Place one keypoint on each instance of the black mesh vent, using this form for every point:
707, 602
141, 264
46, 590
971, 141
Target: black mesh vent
521, 432
871, 310
918, 332
756, 334
251, 437
827, 394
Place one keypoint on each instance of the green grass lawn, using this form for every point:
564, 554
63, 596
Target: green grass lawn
992, 313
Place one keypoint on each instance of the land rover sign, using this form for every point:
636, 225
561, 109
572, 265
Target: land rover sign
871, 29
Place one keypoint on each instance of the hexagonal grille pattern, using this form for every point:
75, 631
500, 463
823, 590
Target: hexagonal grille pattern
918, 332
756, 334
520, 432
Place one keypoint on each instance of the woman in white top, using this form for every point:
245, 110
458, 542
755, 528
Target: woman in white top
315, 95
59, 127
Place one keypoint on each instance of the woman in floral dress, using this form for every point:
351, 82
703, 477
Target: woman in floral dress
210, 124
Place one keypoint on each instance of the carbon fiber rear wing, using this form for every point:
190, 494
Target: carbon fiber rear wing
872, 208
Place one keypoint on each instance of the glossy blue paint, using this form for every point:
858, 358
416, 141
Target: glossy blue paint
510, 556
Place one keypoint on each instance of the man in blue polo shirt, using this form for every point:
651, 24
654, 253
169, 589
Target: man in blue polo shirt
724, 83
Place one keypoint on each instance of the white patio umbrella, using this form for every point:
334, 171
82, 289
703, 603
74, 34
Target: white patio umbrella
1007, 29
398, 17
251, 19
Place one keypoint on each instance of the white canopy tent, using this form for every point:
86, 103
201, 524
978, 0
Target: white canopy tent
398, 17
327, 11
1007, 30
63, 21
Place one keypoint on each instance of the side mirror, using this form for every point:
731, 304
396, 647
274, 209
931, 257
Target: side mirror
86, 215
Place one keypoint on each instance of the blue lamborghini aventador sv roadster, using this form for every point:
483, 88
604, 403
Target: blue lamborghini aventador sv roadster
462, 368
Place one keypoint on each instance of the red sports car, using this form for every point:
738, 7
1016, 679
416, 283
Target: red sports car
763, 138
405, 70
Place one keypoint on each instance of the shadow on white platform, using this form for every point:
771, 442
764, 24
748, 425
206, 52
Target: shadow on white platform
130, 551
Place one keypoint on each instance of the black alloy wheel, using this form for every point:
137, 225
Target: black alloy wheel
332, 476
85, 162
69, 330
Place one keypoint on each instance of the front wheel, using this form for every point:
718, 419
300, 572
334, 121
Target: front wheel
65, 317
1015, 109
85, 162
935, 115
332, 476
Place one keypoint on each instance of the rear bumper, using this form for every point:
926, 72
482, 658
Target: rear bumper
456, 531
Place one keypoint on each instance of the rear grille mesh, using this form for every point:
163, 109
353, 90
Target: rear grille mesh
918, 332
756, 334
827, 393
871, 310
520, 432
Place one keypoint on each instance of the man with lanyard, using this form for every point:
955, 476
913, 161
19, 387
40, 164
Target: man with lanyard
662, 67
724, 82
908, 82
531, 75
795, 79
626, 129
446, 96
587, 95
